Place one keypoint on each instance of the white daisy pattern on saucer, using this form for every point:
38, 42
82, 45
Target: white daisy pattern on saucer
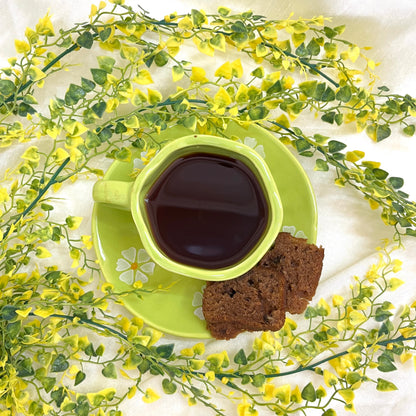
252, 142
197, 303
135, 265
292, 230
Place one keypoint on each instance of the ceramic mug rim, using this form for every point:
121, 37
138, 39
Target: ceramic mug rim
199, 144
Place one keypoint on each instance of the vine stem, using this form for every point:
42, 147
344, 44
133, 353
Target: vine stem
41, 193
310, 367
44, 69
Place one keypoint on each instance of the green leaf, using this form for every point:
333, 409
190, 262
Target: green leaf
7, 87
169, 387
224, 11
48, 383
123, 155
24, 368
329, 412
353, 377
258, 380
239, 27
301, 50
165, 351
411, 232
380, 173
384, 88
309, 393
109, 371
120, 128
197, 17
328, 95
106, 63
409, 130
313, 47
319, 138
99, 108
24, 109
190, 122
396, 182
339, 118
258, 72
308, 87
329, 32
29, 99
344, 94
74, 94
59, 364
99, 76
85, 40
89, 350
161, 58
310, 312
386, 328
302, 145
276, 87
328, 117
385, 364
257, 113
382, 132
382, 314
384, 385
218, 42
240, 357
335, 146
83, 409
8, 312
58, 396
13, 328
87, 85
79, 378
321, 165
105, 34
92, 140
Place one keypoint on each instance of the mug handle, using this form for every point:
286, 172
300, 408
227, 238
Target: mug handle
114, 193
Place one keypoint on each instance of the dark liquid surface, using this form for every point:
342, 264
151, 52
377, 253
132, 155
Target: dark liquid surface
207, 210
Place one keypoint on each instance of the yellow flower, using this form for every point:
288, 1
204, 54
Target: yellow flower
394, 283
44, 26
330, 379
73, 222
347, 395
224, 71
150, 396
269, 391
198, 74
337, 300
86, 240
21, 46
143, 77
246, 409
222, 98
4, 195
210, 375
42, 252
283, 393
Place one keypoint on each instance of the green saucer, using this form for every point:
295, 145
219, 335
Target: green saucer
176, 308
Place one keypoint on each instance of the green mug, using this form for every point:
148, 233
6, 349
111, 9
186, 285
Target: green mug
133, 196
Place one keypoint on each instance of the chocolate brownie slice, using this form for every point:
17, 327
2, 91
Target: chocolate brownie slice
252, 302
285, 280
301, 263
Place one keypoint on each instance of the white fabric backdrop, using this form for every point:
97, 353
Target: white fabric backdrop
347, 228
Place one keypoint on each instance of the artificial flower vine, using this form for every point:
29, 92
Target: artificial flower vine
282, 70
